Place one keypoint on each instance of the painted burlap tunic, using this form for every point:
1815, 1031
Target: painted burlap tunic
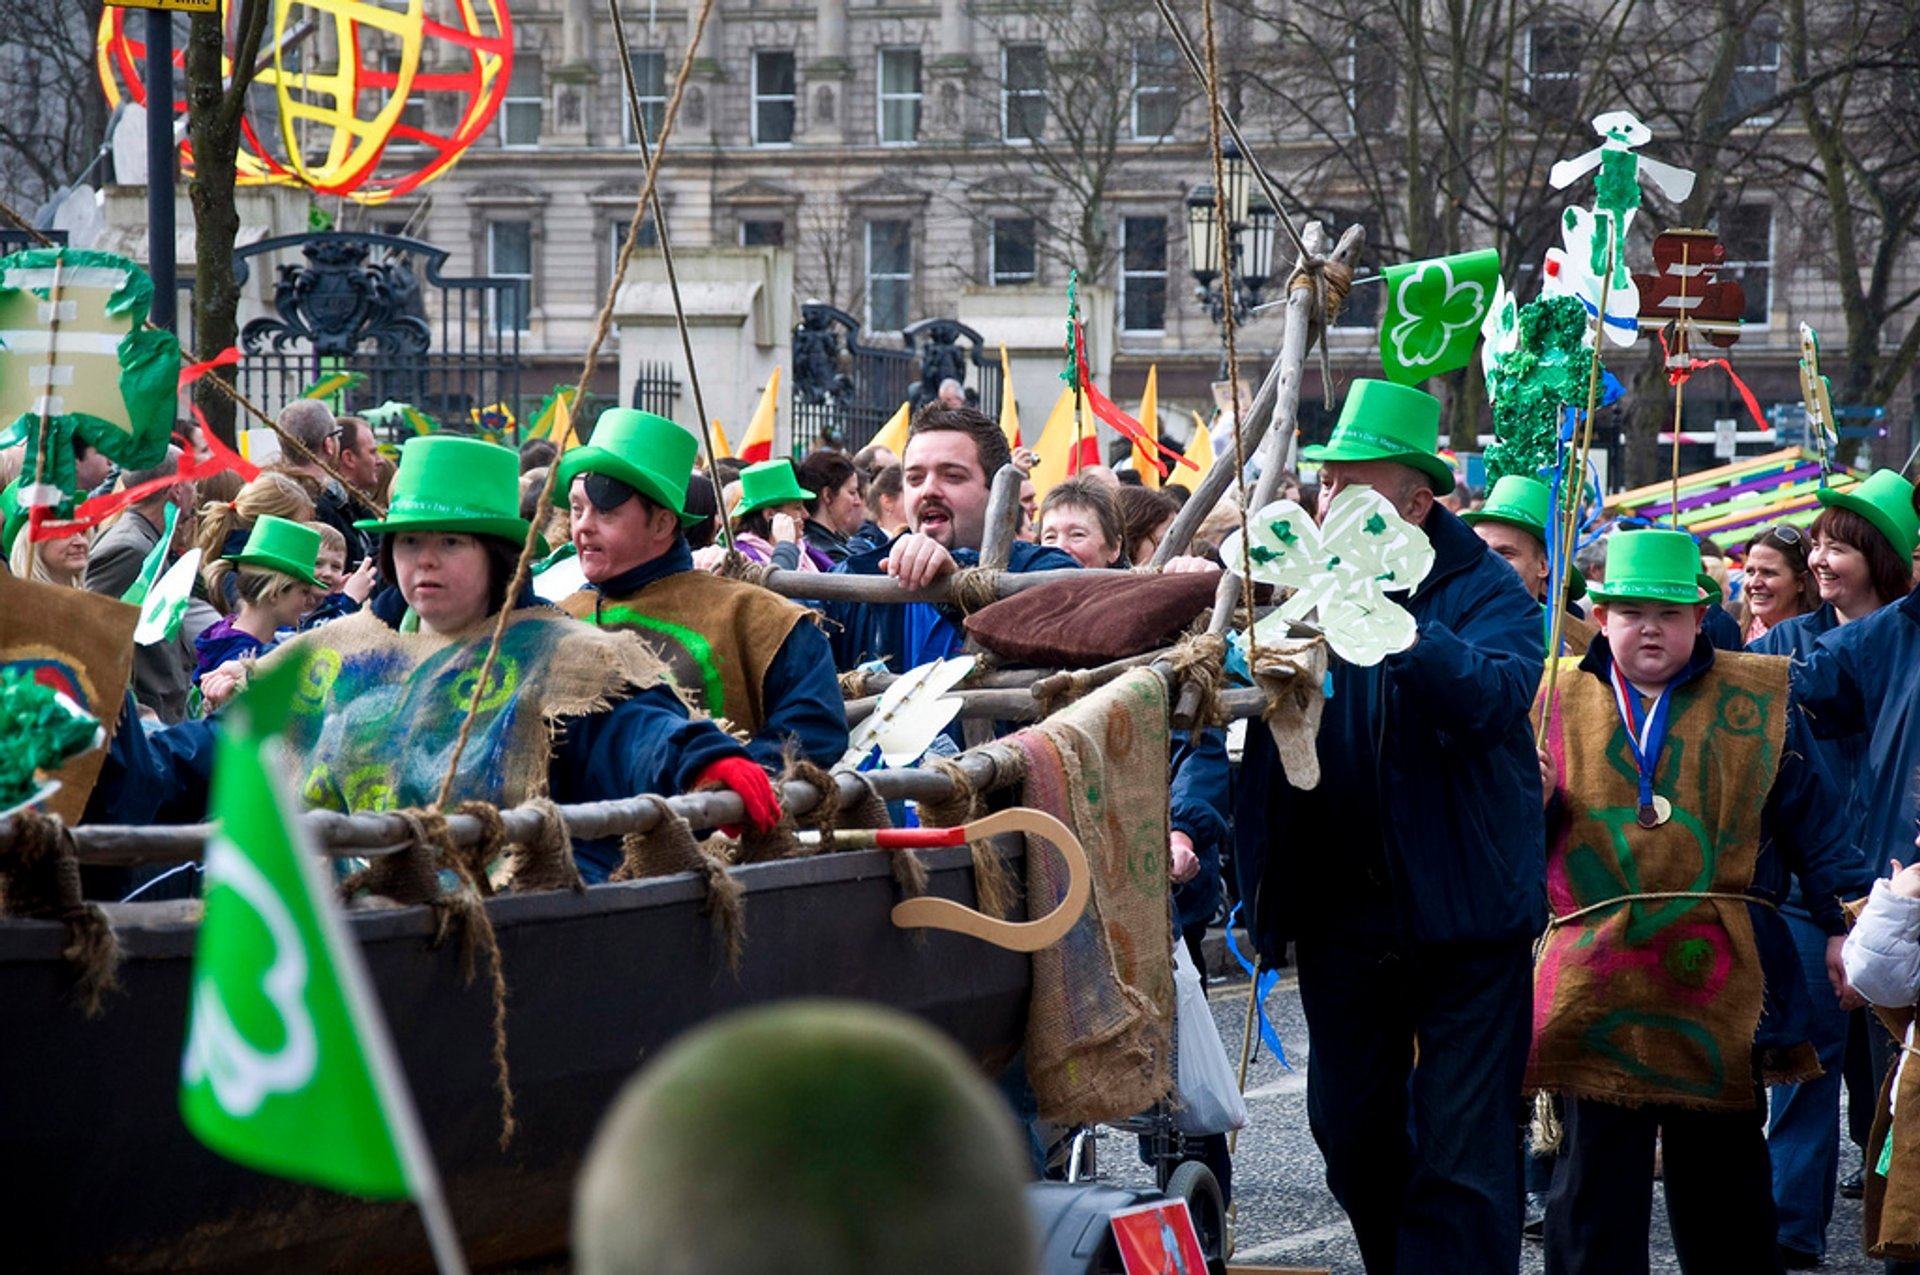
1657, 1001
716, 637
374, 724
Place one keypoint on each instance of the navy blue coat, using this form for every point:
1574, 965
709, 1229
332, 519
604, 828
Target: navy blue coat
645, 743
914, 633
1430, 785
801, 692
1863, 679
1199, 808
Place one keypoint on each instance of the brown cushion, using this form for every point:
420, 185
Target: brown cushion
1090, 620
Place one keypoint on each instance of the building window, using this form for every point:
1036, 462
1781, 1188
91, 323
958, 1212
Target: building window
413, 116
1011, 252
1369, 82
1756, 77
650, 82
899, 95
1553, 67
520, 110
1157, 79
889, 274
1746, 230
616, 236
773, 100
1023, 92
1143, 274
763, 233
510, 256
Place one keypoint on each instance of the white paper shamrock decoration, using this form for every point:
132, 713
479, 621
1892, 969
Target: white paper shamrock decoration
1340, 571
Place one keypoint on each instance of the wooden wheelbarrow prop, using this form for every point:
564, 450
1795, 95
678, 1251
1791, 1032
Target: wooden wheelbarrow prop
945, 914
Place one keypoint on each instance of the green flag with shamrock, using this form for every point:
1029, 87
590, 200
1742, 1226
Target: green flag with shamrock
288, 1067
1434, 310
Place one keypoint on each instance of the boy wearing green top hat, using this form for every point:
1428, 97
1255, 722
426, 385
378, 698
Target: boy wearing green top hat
1513, 523
1667, 992
736, 651
1410, 879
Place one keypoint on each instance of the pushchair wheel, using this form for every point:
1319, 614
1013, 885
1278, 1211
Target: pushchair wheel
1194, 1182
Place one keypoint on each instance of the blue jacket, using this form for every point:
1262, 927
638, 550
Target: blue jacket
801, 692
1430, 786
907, 635
1198, 766
1863, 679
1722, 630
645, 743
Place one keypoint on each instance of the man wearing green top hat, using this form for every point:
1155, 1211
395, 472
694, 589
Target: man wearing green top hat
1410, 880
1667, 991
736, 651
1513, 523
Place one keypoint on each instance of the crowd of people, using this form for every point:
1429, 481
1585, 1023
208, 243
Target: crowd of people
1609, 877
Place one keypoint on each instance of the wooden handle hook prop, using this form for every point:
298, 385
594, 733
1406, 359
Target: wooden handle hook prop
945, 914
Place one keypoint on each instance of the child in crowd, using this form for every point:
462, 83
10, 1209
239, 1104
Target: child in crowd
273, 577
1667, 993
343, 593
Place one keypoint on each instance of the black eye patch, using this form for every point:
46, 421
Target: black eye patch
606, 492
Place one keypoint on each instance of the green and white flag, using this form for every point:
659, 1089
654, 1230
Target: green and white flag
288, 1066
154, 563
1434, 310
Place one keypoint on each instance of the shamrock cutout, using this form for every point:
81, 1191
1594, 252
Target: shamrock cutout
1340, 571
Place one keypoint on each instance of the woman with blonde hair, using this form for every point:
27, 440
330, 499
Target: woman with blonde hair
225, 525
61, 560
273, 577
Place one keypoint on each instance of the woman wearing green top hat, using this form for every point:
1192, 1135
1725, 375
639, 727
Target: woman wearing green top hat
273, 577
1858, 551
773, 513
1666, 992
570, 712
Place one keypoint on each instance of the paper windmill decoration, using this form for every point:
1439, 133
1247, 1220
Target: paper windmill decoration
1589, 237
1340, 571
359, 127
77, 361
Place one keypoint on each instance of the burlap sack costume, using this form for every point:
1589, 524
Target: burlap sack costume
715, 636
1658, 1000
374, 726
1099, 1031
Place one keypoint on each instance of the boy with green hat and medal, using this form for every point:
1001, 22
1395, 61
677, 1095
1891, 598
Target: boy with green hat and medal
1667, 993
571, 712
1410, 880
736, 651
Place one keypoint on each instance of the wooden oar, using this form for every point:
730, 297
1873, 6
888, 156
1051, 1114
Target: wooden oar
945, 914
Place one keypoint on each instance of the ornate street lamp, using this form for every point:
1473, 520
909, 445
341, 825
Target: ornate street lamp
1251, 225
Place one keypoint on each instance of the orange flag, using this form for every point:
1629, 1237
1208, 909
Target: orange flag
1200, 452
758, 444
893, 435
722, 449
1009, 410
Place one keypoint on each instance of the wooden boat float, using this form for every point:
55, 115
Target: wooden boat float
107, 1176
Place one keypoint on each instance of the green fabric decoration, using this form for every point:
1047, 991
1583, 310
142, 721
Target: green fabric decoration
1531, 383
1434, 312
42, 730
102, 297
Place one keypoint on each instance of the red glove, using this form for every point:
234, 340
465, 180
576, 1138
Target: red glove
743, 776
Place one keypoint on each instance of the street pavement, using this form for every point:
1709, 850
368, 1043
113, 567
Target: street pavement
1285, 1217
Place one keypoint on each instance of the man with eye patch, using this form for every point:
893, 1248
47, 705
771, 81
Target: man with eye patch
736, 651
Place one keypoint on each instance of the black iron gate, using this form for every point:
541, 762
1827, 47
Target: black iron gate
844, 392
380, 306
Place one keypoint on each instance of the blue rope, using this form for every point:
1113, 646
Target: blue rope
1263, 983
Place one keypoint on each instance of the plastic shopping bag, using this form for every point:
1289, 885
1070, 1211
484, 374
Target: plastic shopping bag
1210, 1100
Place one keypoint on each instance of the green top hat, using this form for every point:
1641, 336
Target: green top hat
1384, 421
1519, 501
1885, 499
280, 544
12, 516
1652, 565
771, 482
449, 483
648, 453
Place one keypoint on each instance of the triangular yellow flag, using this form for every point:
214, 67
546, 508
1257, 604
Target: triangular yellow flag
563, 431
1200, 452
722, 449
1009, 410
758, 444
1144, 457
1058, 443
893, 435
